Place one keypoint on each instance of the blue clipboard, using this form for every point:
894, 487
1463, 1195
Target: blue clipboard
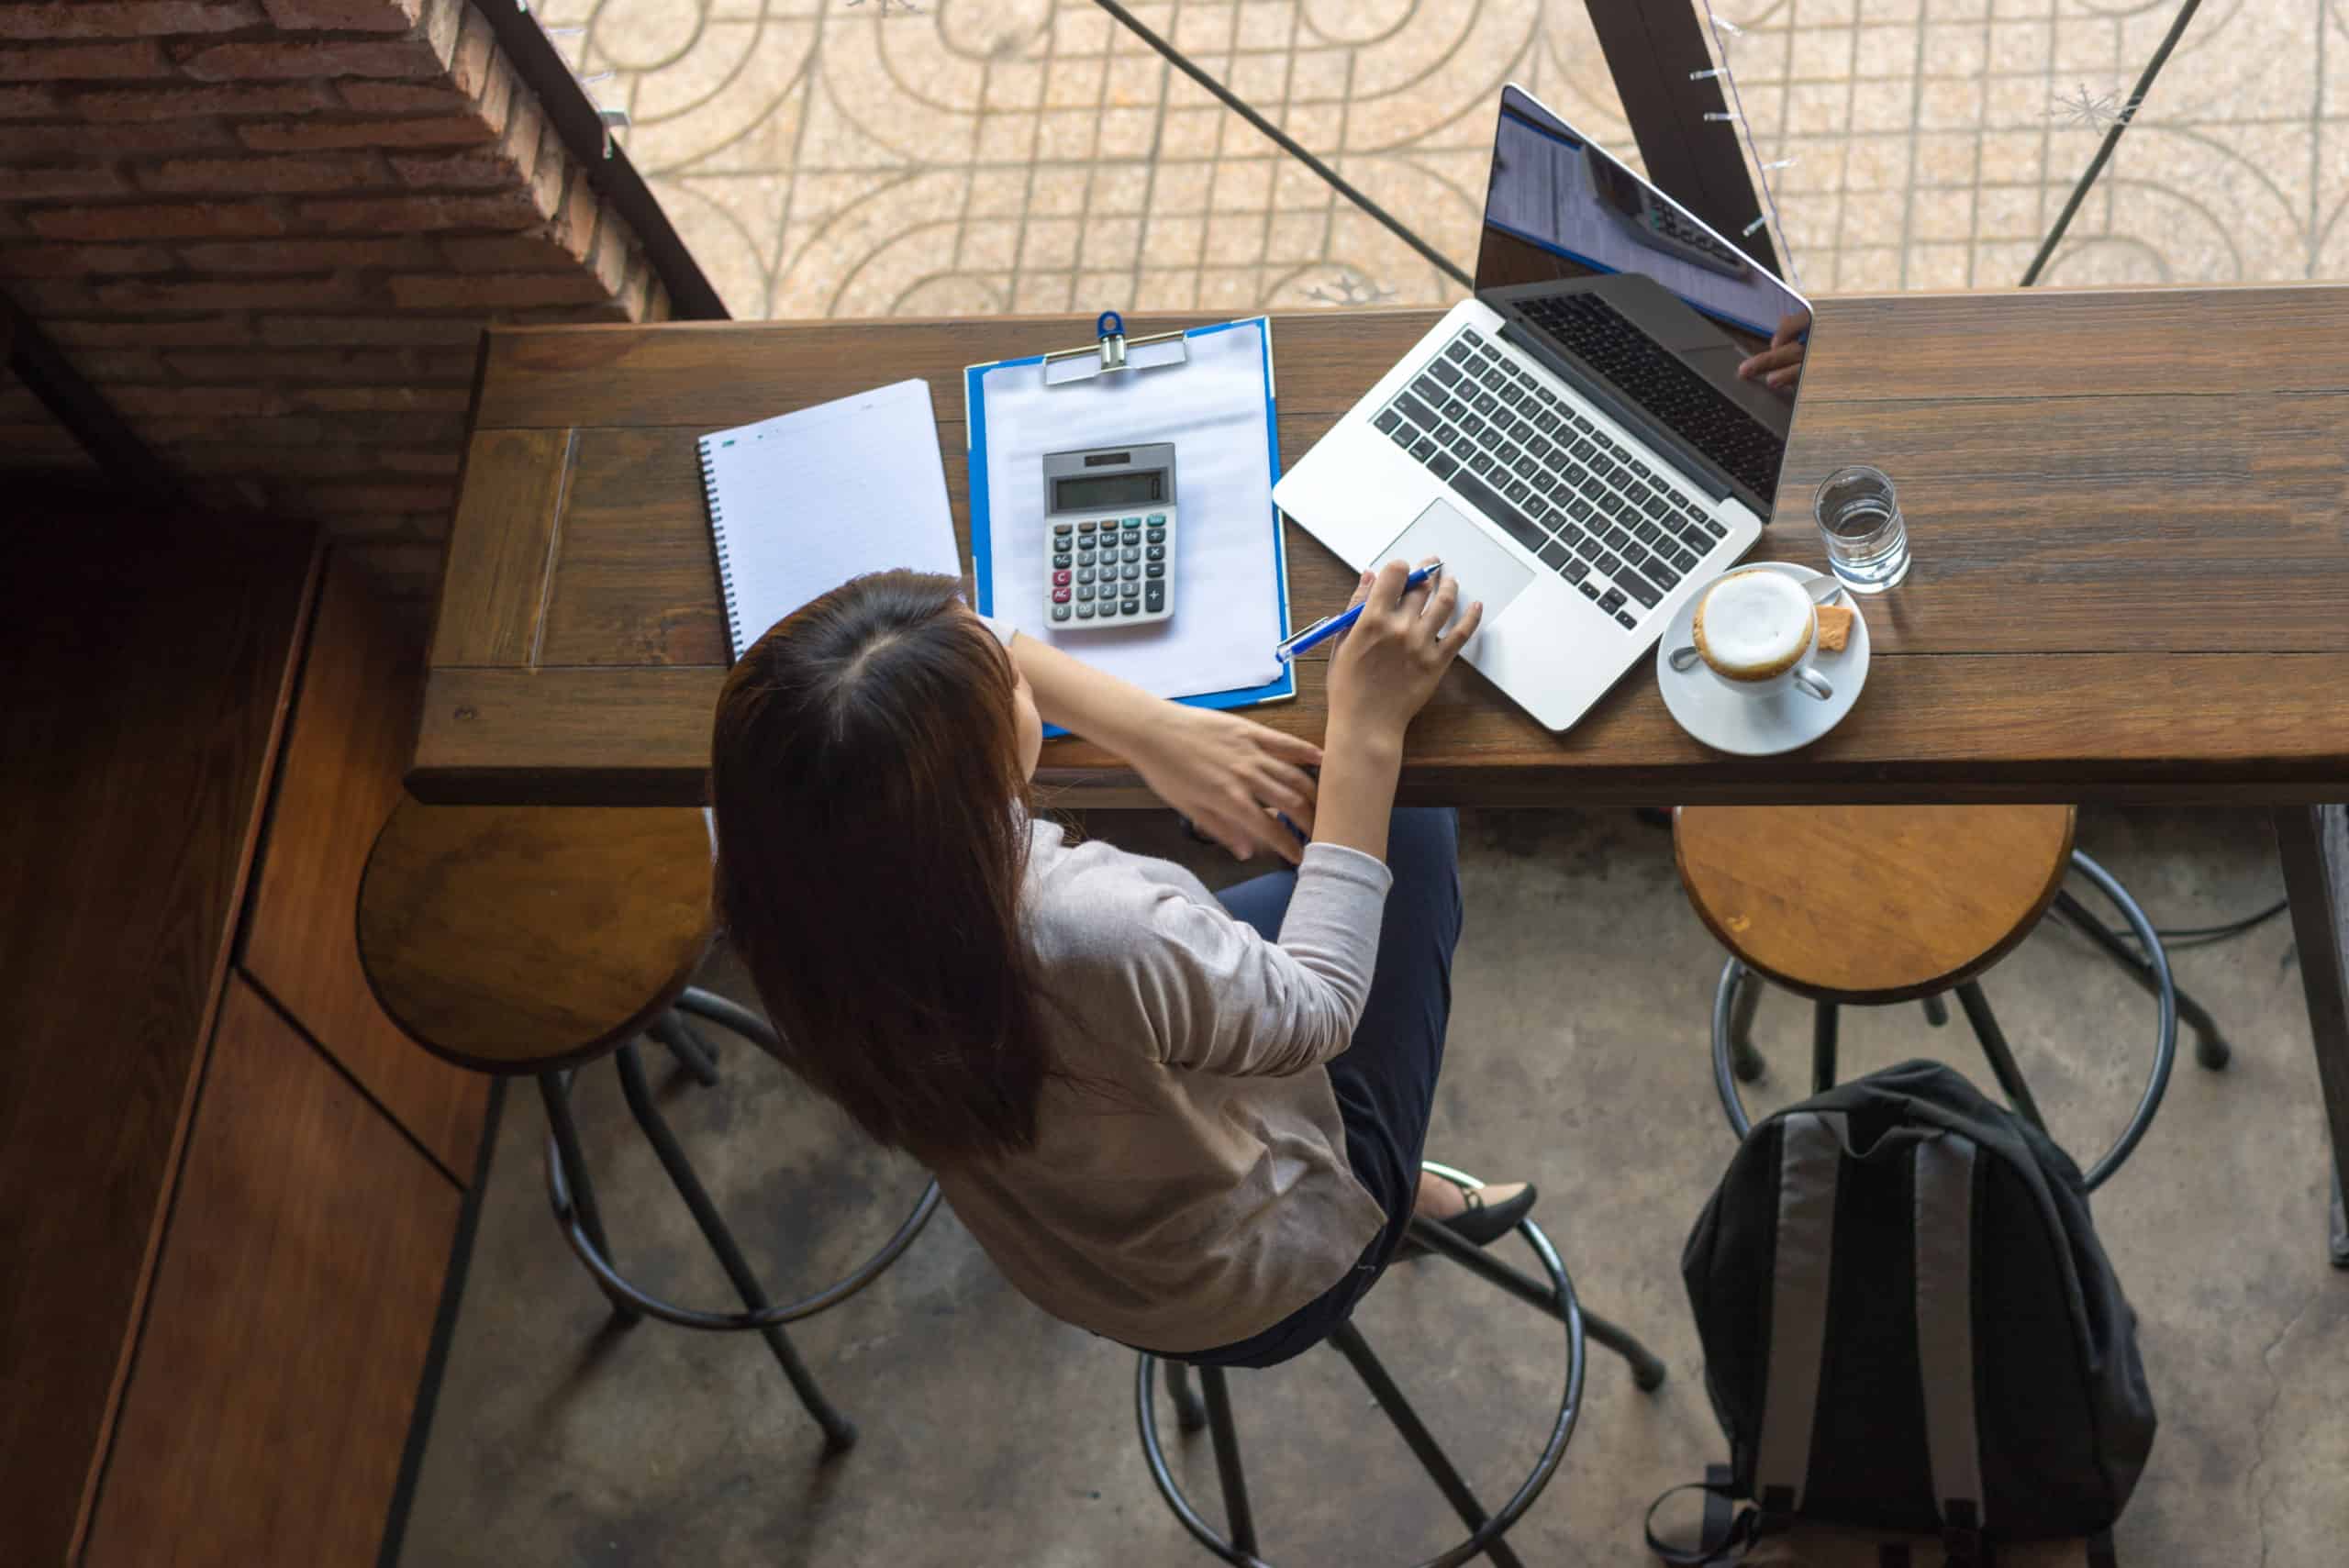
1112, 350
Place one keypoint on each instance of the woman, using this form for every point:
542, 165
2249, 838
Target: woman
1194, 1126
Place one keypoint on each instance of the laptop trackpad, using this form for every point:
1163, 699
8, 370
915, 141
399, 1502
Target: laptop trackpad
1469, 553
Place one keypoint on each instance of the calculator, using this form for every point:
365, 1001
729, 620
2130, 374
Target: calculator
1109, 518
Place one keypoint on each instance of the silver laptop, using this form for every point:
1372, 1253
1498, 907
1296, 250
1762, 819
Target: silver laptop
1575, 442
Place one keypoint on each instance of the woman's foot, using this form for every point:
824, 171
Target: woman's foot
1479, 1215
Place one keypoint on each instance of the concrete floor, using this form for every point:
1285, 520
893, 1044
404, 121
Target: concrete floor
993, 1435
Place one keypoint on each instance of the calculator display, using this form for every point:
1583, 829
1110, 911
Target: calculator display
1093, 493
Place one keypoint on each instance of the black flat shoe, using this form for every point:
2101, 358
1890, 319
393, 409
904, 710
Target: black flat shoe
1480, 1223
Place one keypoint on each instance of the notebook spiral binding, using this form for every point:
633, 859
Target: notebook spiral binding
718, 541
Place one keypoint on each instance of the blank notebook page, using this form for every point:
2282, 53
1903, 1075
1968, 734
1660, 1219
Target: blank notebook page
801, 503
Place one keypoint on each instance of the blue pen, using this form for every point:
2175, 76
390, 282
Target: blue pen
1328, 626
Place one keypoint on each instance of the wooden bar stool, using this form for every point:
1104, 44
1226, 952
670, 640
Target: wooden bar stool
1553, 1294
1870, 905
533, 939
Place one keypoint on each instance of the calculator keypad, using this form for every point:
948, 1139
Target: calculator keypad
1110, 571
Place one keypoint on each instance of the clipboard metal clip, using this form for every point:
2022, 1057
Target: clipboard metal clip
1113, 351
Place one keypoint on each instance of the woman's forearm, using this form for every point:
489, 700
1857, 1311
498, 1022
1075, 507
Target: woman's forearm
1081, 699
1359, 770
1238, 783
1359, 766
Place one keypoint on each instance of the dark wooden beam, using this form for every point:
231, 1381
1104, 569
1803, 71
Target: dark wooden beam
76, 404
1653, 47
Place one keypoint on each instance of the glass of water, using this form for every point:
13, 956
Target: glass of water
1859, 518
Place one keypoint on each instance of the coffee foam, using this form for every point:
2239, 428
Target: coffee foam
1754, 625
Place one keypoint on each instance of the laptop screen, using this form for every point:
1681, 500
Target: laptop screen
1616, 278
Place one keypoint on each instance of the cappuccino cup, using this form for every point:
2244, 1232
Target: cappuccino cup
1753, 630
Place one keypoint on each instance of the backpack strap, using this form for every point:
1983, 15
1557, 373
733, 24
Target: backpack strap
1720, 1502
1750, 1526
1810, 1157
1944, 1225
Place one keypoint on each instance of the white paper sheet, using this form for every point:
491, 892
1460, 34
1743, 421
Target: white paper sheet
1227, 578
801, 503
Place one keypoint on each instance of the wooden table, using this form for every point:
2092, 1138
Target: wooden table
2130, 509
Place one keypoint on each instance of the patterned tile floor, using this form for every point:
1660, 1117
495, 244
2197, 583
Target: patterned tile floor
835, 158
1935, 140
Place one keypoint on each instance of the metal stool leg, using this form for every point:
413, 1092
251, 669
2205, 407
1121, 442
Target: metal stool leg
693, 1002
1647, 1371
2340, 1224
1822, 1047
1189, 1414
2210, 1048
2002, 1058
671, 1030
1242, 1523
840, 1433
1936, 1012
1438, 1464
554, 1089
1746, 1060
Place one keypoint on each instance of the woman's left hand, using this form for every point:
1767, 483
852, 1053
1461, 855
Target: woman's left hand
1228, 775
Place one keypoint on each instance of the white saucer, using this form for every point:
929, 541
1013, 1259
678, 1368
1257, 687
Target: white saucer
1777, 721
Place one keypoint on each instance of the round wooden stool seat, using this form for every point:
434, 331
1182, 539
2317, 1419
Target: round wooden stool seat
512, 938
1870, 903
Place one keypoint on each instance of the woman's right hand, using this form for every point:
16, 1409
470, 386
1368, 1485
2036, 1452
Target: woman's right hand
1389, 662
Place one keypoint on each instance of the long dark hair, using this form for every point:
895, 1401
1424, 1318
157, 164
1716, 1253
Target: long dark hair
872, 840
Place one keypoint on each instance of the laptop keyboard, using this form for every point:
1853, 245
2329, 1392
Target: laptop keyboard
1667, 390
1582, 503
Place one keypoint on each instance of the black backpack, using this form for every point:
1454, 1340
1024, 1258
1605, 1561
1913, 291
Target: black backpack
1909, 1325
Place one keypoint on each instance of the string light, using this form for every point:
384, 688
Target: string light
1723, 31
2098, 111
610, 120
1347, 287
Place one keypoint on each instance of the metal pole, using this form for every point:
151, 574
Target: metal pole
2112, 139
2002, 1057
1432, 1457
1189, 1414
1647, 1371
2209, 1048
1226, 1440
839, 1432
671, 1030
1287, 143
1747, 1002
1822, 1047
570, 1166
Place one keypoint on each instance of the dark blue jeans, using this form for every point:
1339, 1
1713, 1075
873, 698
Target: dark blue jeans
1386, 1079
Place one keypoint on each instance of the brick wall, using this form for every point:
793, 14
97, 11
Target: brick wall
270, 231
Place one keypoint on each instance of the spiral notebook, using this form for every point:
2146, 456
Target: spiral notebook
803, 502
